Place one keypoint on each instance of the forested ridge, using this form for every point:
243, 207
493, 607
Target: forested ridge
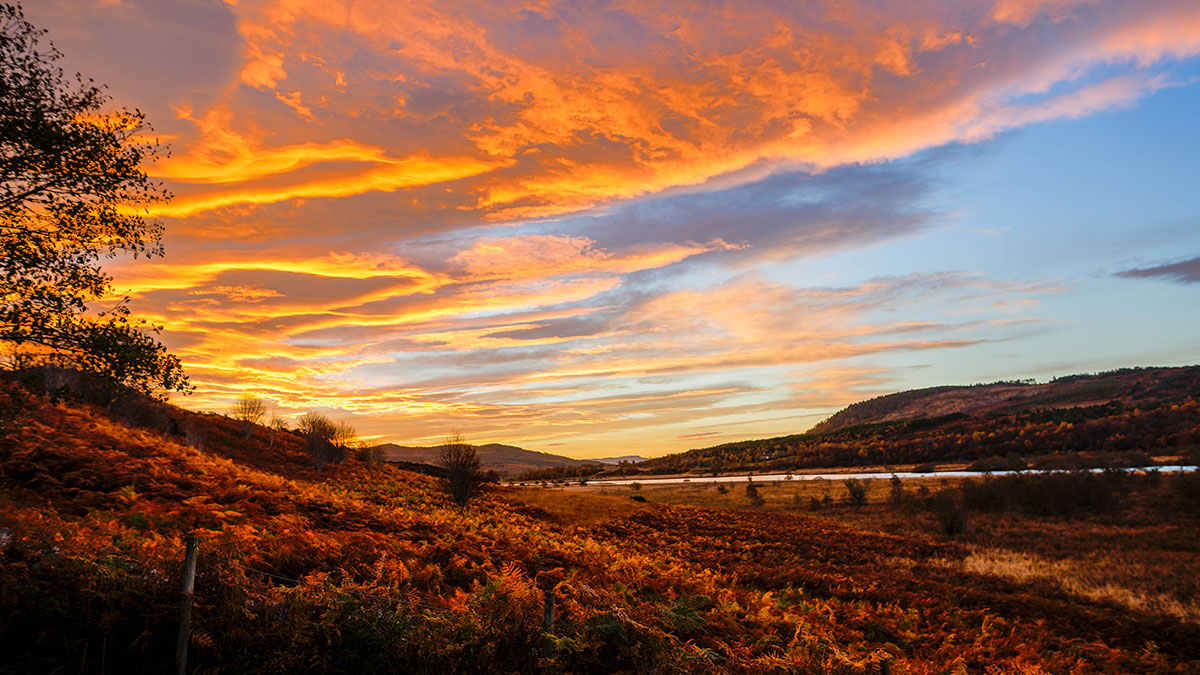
1152, 411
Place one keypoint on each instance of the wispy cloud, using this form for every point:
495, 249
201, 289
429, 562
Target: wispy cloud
1184, 271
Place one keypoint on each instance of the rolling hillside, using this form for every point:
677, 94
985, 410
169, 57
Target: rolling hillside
1098, 420
505, 460
1129, 387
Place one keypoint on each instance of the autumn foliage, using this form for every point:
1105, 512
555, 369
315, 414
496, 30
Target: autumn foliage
356, 569
1057, 438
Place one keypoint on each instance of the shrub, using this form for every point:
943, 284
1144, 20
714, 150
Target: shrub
948, 511
856, 492
896, 491
371, 455
322, 437
1052, 494
686, 616
753, 496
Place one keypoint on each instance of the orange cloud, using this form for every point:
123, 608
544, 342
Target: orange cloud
599, 106
548, 255
396, 174
1023, 12
685, 96
225, 155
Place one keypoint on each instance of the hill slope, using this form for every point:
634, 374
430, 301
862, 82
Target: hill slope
503, 459
1075, 421
1129, 386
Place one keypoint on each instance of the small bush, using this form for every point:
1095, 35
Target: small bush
856, 492
371, 455
948, 511
896, 491
753, 497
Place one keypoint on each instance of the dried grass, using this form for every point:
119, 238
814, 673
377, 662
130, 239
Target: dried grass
1097, 578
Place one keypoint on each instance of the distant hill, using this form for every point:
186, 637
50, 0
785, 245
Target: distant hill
1096, 420
616, 460
505, 460
1127, 386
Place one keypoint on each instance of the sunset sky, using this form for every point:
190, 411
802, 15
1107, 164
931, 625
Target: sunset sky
595, 228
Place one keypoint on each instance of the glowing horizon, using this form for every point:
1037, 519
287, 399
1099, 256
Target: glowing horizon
609, 229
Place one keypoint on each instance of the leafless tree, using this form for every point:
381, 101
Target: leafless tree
371, 455
193, 434
276, 425
250, 410
463, 475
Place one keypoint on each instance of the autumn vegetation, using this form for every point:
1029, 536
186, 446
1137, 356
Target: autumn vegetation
350, 566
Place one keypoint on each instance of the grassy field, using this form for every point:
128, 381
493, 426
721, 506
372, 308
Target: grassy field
1139, 553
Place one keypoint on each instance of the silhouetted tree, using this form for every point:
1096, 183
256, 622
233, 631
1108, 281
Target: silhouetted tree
250, 411
326, 440
276, 425
463, 475
71, 185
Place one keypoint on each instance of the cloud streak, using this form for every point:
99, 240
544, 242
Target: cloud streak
1184, 271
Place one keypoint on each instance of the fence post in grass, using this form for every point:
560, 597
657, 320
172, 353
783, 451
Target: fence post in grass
548, 644
885, 667
185, 615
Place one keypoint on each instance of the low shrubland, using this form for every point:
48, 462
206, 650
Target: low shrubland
353, 568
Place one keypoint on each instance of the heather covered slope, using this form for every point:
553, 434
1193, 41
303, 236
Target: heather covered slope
1129, 387
375, 571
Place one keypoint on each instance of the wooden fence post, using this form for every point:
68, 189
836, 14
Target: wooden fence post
548, 646
185, 615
